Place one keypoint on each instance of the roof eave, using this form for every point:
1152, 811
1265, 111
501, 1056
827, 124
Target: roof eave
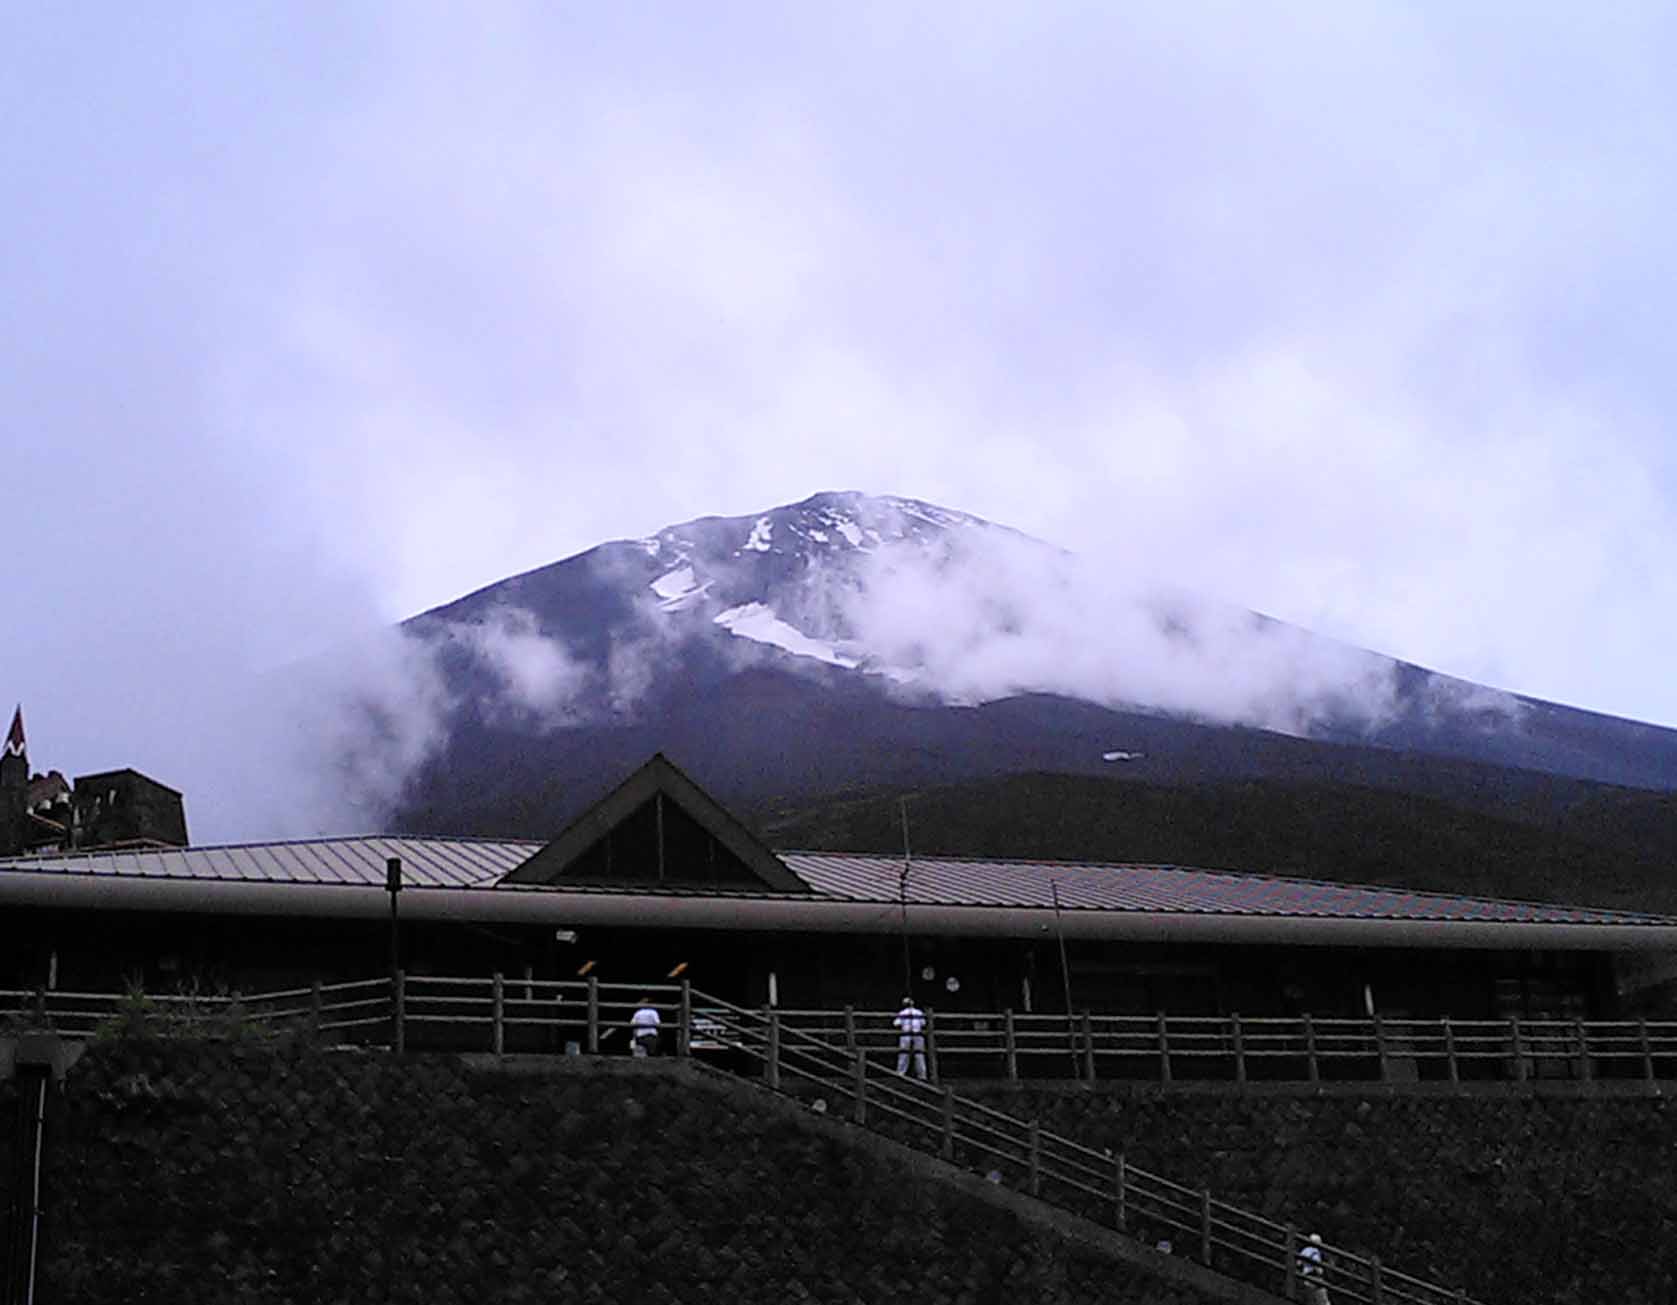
544, 905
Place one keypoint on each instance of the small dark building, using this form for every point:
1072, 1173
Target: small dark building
108, 809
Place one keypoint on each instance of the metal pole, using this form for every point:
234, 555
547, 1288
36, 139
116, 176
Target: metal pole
1036, 1159
1450, 1052
1239, 1049
1013, 1047
1205, 1227
393, 886
860, 1073
774, 1049
1121, 1183
593, 1016
1065, 971
1315, 1067
684, 1034
902, 896
948, 1148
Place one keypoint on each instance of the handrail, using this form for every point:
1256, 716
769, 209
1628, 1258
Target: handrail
1058, 1169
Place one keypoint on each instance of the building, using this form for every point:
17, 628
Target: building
110, 809
658, 879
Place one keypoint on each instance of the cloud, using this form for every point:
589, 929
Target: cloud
981, 615
320, 318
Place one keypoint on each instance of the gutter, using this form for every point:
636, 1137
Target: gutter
513, 904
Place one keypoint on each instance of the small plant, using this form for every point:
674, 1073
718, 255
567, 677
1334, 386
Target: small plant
190, 1013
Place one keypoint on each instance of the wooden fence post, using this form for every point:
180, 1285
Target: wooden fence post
860, 1088
1035, 1169
593, 1016
1239, 1049
850, 1029
1647, 1049
684, 1033
1120, 1181
1315, 1067
1450, 1052
1012, 1046
1164, 1050
399, 1010
931, 1047
1381, 1048
1586, 1071
1088, 1048
1205, 1227
317, 999
498, 1006
948, 1147
774, 1048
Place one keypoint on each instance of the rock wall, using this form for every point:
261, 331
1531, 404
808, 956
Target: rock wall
1515, 1199
211, 1172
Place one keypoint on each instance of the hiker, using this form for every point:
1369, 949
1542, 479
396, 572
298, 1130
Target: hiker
643, 1029
1312, 1271
911, 1038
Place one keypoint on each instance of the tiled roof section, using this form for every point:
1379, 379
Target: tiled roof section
1082, 886
426, 862
932, 881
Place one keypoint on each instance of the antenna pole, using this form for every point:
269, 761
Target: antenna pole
902, 895
1065, 969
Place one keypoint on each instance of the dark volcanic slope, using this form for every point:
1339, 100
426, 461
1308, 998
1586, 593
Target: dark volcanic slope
736, 647
1327, 831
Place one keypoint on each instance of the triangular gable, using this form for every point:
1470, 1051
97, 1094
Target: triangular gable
658, 829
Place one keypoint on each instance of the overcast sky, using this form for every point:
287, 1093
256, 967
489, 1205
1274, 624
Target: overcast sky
313, 316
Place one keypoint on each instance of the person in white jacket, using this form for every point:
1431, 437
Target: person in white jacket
911, 1038
643, 1029
1312, 1271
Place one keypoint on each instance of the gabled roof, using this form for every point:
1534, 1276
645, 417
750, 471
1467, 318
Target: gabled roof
658, 779
15, 745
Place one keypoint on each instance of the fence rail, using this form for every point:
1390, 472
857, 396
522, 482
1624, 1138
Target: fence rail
1094, 1184
589, 1015
1234, 1048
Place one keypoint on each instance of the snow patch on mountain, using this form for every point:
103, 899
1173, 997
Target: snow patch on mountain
679, 589
762, 530
757, 622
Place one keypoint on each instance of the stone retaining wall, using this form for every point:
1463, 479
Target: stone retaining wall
215, 1172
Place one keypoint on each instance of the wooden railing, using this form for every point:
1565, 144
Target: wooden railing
586, 1015
849, 1055
1238, 1049
1096, 1185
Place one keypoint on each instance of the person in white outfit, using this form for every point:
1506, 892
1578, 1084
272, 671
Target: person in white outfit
643, 1029
1312, 1271
911, 1038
